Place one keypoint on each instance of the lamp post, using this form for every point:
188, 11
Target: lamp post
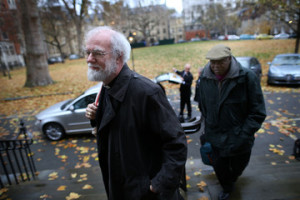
131, 39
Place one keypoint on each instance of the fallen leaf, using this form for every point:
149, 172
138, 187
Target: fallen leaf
73, 175
62, 188
3, 190
87, 187
197, 173
45, 196
52, 176
273, 163
73, 195
187, 177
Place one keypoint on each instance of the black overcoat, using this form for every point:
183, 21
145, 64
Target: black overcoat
140, 140
233, 109
185, 86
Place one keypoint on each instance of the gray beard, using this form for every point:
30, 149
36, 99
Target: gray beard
101, 74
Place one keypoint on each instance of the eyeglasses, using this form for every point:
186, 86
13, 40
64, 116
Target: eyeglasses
96, 53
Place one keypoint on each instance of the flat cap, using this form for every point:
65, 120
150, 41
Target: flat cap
218, 52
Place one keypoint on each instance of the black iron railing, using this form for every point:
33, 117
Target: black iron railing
16, 158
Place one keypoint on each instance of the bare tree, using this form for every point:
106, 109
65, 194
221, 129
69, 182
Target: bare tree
215, 18
37, 73
54, 23
77, 17
285, 11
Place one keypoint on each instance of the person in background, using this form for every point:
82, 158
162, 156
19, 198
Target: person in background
233, 107
185, 90
197, 94
141, 145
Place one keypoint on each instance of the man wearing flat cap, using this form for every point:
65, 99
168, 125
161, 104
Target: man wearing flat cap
232, 104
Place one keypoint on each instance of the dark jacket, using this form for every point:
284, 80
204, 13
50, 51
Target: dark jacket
185, 86
197, 93
140, 140
233, 109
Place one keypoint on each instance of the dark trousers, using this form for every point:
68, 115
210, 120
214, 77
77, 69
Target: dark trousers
185, 100
228, 169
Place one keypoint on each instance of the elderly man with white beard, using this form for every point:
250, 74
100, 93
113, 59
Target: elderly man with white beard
141, 145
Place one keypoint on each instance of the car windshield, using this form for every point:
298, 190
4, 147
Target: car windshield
243, 62
287, 60
66, 103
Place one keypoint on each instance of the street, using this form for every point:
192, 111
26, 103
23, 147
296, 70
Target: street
274, 146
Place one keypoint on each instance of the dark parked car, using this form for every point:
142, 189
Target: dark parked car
55, 59
284, 69
251, 63
68, 117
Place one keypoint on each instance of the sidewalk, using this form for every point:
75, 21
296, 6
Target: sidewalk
261, 181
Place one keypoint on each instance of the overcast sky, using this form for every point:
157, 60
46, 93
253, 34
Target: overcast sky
176, 4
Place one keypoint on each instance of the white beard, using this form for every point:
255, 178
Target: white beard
101, 74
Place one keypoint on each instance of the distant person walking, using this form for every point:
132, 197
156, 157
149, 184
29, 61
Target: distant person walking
232, 104
141, 145
185, 90
197, 93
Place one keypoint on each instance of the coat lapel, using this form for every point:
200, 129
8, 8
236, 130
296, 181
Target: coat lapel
108, 114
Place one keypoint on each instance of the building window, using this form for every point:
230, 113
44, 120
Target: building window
4, 35
12, 51
6, 51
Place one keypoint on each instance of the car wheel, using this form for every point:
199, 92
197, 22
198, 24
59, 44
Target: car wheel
54, 131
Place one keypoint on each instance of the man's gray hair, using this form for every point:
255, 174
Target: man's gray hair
119, 43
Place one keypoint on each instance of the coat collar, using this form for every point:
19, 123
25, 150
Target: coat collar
119, 87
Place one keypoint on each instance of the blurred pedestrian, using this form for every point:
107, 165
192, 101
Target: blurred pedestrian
197, 93
185, 90
142, 147
232, 104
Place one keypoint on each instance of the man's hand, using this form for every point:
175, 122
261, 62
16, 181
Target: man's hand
90, 112
151, 189
174, 69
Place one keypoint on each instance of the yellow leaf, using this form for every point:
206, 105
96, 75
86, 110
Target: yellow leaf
202, 183
3, 190
261, 131
187, 177
73, 175
86, 158
197, 173
273, 163
87, 187
45, 196
53, 176
72, 196
83, 175
62, 188
94, 155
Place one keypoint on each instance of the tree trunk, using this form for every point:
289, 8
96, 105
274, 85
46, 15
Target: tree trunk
37, 73
298, 35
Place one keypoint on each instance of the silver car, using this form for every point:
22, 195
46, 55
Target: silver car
68, 117
284, 69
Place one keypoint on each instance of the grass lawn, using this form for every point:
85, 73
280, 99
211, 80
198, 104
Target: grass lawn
70, 77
